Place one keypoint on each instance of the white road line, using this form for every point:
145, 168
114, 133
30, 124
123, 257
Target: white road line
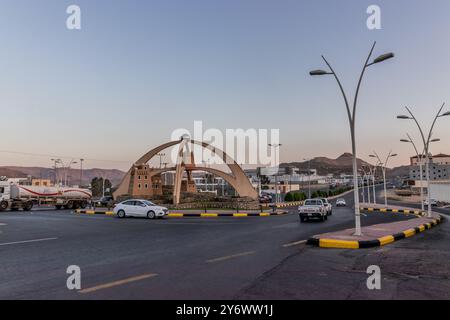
293, 243
230, 256
3, 224
118, 283
27, 241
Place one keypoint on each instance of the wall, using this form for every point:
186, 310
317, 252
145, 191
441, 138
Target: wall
440, 191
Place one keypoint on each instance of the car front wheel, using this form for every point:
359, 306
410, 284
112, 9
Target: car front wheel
121, 214
151, 215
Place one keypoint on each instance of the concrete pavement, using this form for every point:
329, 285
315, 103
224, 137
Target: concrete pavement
186, 258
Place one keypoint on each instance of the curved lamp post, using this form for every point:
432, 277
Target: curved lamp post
368, 175
383, 168
276, 146
420, 158
426, 144
351, 119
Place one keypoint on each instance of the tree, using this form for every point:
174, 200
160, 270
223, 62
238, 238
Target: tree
289, 197
97, 187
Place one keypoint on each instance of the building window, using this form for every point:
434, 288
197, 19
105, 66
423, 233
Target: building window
139, 177
139, 186
146, 186
146, 177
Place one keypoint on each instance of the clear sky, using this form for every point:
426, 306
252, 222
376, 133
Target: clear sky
138, 69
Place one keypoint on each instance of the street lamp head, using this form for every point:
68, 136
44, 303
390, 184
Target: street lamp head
404, 117
405, 140
435, 140
383, 57
318, 73
445, 114
372, 156
394, 155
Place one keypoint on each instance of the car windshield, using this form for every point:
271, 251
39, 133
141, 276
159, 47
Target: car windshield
313, 203
148, 203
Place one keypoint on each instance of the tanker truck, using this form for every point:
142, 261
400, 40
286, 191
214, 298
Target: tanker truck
17, 197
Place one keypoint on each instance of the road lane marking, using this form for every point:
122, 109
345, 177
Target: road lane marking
118, 283
237, 255
26, 241
3, 224
294, 243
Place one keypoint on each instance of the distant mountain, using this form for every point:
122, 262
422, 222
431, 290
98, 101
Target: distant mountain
341, 165
402, 171
114, 175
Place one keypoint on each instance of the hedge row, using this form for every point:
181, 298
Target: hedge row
300, 196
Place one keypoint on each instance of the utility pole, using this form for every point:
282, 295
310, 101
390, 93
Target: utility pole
160, 155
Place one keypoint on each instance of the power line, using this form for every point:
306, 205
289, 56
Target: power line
57, 156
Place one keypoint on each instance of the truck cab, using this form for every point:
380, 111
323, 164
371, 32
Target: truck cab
5, 195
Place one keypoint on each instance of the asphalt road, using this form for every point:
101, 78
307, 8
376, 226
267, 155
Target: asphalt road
188, 258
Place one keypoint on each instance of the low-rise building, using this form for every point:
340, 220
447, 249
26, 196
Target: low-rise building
440, 190
439, 168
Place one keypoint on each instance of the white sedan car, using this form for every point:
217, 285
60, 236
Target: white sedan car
139, 208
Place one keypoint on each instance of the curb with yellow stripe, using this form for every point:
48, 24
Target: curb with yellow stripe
406, 211
346, 244
199, 215
215, 215
107, 213
289, 204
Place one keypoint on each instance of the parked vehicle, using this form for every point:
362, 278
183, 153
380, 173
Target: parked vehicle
17, 197
433, 202
265, 198
341, 203
106, 201
312, 209
328, 206
139, 208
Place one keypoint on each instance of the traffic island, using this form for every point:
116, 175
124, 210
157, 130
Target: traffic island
391, 209
375, 235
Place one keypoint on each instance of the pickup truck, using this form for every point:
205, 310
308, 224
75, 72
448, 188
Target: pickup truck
312, 209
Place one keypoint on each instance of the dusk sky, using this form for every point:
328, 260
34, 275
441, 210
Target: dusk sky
138, 70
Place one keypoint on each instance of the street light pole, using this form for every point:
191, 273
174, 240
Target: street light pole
309, 177
374, 173
420, 158
352, 118
56, 161
383, 168
426, 144
81, 171
275, 147
366, 178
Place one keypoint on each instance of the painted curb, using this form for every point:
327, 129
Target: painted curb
289, 204
406, 211
346, 244
216, 215
93, 212
198, 215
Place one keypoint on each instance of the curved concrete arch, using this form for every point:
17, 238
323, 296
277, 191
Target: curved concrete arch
237, 179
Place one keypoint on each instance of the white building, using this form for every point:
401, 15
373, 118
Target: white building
440, 190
